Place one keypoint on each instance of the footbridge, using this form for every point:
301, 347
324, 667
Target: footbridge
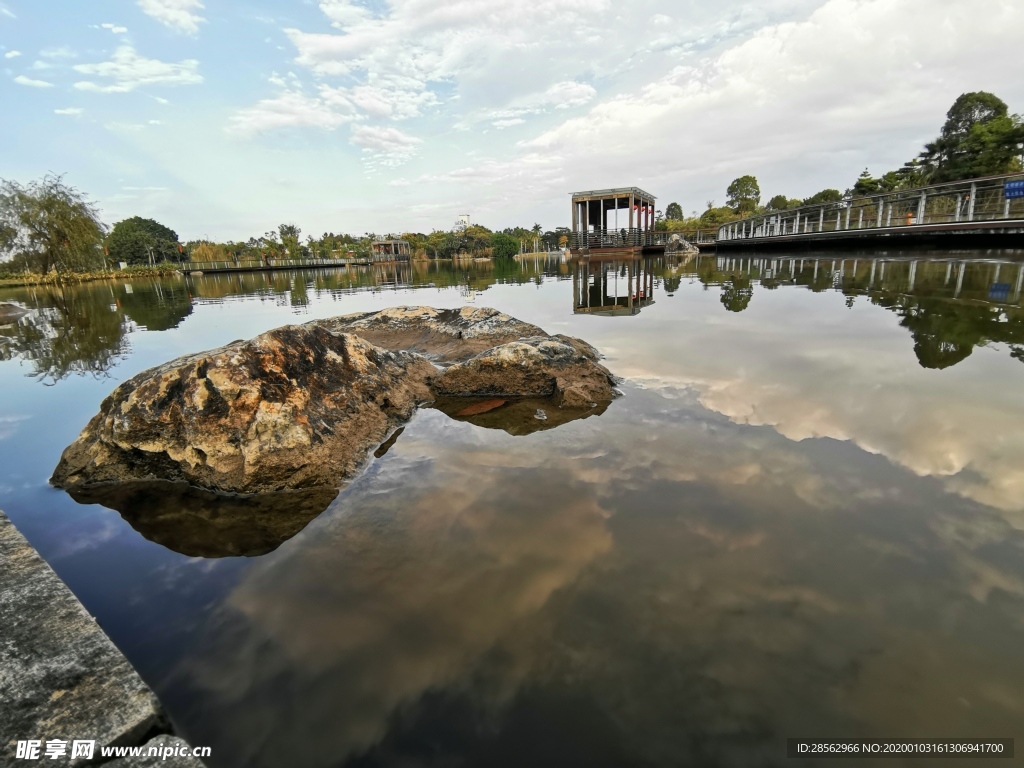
983, 212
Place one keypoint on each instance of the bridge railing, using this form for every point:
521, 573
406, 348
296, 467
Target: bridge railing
993, 198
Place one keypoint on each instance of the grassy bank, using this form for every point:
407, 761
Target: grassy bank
66, 278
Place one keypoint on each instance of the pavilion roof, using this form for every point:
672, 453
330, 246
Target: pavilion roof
615, 192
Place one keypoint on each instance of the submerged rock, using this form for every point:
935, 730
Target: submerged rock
297, 407
541, 366
443, 335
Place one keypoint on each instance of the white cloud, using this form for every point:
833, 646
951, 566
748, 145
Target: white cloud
770, 103
176, 14
12, 54
5, 11
385, 146
404, 56
562, 95
128, 70
508, 123
8, 425
292, 108
74, 111
22, 80
117, 30
61, 52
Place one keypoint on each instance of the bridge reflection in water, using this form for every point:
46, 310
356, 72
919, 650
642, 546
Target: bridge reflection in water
950, 306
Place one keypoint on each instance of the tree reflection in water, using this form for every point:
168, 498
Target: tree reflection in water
82, 329
949, 307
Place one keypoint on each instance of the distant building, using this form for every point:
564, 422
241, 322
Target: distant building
462, 222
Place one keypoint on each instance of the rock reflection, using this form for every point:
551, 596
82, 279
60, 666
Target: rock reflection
516, 416
199, 523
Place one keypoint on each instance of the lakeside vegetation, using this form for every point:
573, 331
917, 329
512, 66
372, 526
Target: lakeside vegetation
50, 232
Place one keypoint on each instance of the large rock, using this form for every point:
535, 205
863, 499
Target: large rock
542, 366
443, 335
297, 407
300, 408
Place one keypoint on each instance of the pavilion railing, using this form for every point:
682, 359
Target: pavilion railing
993, 198
624, 238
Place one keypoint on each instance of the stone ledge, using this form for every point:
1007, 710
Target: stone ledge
61, 677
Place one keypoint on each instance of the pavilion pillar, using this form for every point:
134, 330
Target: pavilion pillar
632, 203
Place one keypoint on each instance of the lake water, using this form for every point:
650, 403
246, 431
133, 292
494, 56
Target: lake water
804, 517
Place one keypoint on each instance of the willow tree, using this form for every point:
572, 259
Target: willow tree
51, 225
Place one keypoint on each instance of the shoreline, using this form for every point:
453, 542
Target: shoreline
74, 278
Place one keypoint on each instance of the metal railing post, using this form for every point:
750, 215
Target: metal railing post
970, 206
921, 207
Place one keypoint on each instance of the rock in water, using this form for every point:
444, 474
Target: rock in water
444, 335
297, 407
301, 407
541, 366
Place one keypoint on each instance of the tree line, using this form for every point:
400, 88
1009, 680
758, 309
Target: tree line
979, 138
49, 226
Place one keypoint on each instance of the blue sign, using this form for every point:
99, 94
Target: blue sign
1014, 189
999, 291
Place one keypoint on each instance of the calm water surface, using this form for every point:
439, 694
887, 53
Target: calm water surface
804, 517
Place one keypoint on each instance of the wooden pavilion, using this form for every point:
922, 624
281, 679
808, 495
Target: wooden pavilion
612, 221
391, 250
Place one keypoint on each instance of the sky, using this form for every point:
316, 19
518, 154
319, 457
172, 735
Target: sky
225, 118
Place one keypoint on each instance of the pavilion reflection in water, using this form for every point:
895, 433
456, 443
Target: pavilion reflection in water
612, 286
